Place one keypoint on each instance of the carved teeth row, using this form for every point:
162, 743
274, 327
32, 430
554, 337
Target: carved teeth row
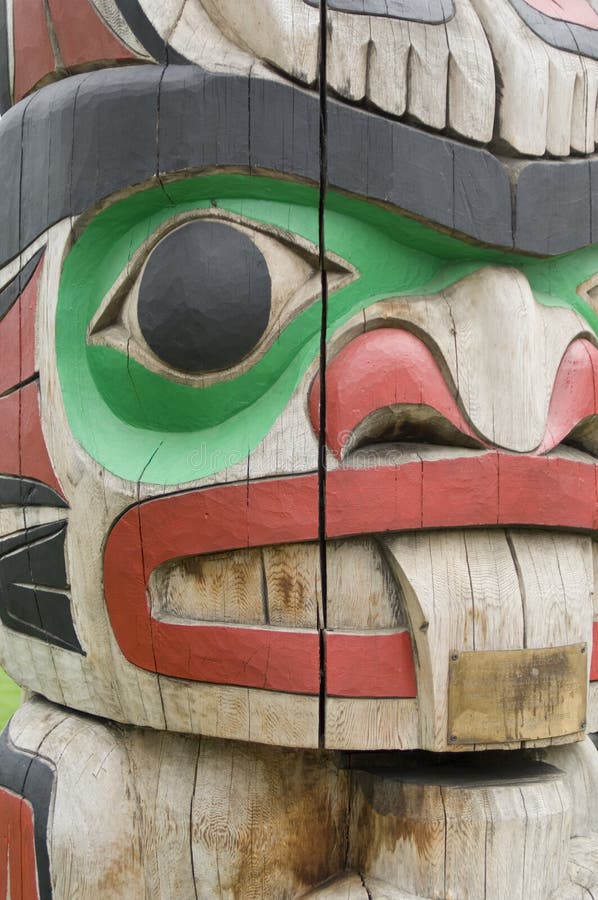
442, 76
548, 96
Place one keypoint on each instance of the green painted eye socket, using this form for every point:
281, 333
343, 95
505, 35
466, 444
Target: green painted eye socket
146, 422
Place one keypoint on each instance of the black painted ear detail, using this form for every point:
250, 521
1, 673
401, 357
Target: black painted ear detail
17, 491
32, 778
11, 292
147, 35
33, 586
433, 12
204, 297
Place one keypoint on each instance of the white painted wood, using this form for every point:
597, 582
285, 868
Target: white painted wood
579, 762
197, 38
471, 82
278, 31
583, 121
348, 50
388, 60
428, 75
593, 707
521, 60
366, 724
163, 16
564, 70
583, 863
361, 591
556, 586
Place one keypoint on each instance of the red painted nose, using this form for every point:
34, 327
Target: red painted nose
386, 368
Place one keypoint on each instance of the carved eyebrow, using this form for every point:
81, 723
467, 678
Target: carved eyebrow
84, 139
434, 12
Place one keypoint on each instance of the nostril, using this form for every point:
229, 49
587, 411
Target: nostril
407, 423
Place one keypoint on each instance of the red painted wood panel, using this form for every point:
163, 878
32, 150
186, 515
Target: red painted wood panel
81, 34
381, 368
369, 665
17, 336
35, 461
33, 54
10, 355
23, 448
18, 873
10, 458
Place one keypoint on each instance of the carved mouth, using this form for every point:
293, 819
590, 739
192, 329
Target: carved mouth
211, 618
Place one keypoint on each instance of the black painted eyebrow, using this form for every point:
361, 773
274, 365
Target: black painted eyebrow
429, 12
82, 139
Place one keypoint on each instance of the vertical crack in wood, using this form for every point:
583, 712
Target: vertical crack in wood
140, 525
521, 581
323, 329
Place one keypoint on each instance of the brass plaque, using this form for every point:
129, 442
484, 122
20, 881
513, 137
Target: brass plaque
517, 695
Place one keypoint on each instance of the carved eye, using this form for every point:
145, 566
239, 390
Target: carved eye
205, 297
209, 295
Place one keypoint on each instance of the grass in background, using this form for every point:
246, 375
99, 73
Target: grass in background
10, 694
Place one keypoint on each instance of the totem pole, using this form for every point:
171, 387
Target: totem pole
298, 438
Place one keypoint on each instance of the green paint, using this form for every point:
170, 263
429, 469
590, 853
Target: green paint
143, 426
10, 696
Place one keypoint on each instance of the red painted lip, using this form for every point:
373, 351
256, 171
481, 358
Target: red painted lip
489, 489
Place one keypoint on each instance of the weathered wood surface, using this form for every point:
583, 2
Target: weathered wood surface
138, 813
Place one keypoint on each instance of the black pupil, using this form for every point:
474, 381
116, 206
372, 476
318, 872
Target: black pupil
205, 297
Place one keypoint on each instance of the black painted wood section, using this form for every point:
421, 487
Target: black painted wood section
33, 586
17, 491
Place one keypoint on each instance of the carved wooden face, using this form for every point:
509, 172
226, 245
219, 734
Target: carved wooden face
172, 554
